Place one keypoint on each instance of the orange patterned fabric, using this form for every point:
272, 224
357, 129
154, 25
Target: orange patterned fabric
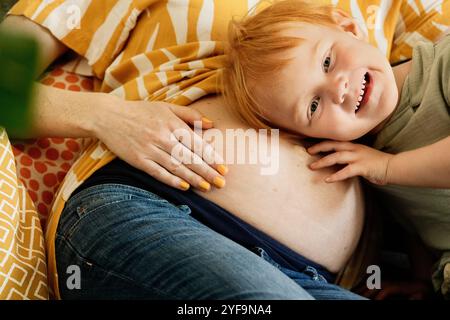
419, 20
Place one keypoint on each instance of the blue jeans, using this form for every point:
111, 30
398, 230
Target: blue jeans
131, 244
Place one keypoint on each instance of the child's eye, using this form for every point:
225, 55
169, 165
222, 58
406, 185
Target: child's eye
327, 64
314, 106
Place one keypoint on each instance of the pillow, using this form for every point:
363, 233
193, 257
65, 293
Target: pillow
419, 21
396, 26
42, 164
23, 268
30, 174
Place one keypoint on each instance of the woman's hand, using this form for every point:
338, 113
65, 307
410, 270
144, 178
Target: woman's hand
155, 137
360, 160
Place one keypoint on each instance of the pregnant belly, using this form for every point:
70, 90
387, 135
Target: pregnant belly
289, 202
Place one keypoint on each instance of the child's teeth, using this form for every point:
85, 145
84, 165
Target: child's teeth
360, 98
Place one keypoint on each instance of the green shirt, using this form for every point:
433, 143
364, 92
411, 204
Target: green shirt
421, 118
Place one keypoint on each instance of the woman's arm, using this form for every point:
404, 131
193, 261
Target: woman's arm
141, 133
63, 113
55, 113
50, 48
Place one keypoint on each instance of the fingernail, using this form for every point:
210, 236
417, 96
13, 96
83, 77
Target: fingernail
219, 182
205, 186
206, 120
184, 185
222, 169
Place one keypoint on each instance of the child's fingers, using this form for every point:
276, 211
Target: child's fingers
328, 146
341, 175
341, 157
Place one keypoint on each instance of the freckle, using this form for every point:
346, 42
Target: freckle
275, 190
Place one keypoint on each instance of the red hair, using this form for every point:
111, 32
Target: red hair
253, 52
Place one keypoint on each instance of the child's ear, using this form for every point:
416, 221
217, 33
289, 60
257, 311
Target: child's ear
348, 24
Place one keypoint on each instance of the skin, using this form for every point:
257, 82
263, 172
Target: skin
308, 227
334, 75
337, 79
320, 100
139, 132
307, 224
317, 95
320, 221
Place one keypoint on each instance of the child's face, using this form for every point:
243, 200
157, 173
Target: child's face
318, 93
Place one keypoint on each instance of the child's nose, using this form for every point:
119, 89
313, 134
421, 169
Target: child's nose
340, 90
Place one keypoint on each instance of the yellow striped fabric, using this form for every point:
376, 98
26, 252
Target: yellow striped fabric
160, 50
420, 20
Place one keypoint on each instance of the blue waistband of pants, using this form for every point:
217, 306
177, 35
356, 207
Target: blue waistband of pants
208, 213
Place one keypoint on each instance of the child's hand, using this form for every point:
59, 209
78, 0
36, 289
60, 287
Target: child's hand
360, 159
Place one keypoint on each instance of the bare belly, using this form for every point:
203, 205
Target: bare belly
322, 222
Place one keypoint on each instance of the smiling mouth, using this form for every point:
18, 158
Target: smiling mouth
364, 97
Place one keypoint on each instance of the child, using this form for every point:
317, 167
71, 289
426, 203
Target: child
308, 69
